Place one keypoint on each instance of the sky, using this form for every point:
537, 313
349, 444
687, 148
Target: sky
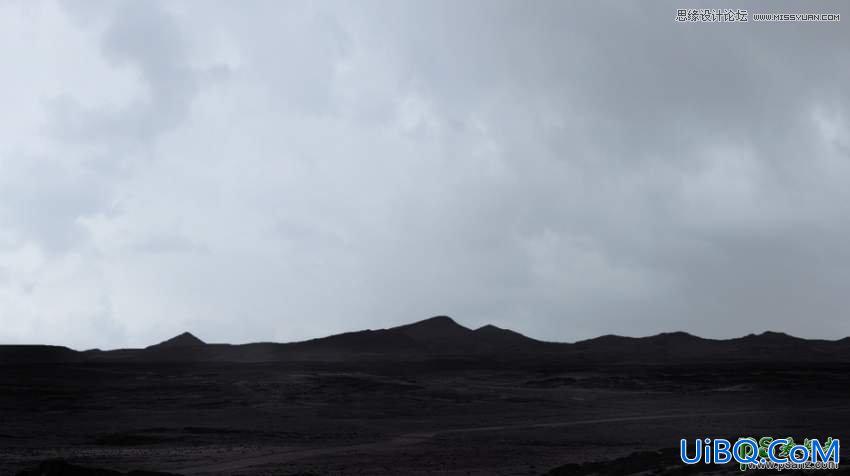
276, 171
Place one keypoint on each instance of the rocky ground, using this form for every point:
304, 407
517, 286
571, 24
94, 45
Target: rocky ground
419, 417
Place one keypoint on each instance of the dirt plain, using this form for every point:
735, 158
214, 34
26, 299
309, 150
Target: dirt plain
438, 416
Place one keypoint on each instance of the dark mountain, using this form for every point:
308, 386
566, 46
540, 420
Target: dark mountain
504, 338
659, 347
681, 346
781, 346
184, 347
36, 354
381, 341
185, 339
441, 336
439, 329
442, 333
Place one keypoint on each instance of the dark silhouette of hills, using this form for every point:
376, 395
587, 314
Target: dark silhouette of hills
441, 336
665, 345
437, 331
436, 335
38, 354
681, 346
504, 338
185, 339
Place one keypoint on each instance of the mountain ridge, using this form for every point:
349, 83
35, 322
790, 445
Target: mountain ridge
442, 336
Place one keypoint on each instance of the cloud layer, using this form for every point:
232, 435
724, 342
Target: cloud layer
279, 171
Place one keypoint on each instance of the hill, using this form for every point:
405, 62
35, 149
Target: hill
442, 336
185, 339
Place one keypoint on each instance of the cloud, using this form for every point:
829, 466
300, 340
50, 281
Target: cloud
284, 171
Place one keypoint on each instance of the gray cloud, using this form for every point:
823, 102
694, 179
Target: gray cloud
282, 171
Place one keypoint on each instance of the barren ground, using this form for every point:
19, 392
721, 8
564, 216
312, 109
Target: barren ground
435, 417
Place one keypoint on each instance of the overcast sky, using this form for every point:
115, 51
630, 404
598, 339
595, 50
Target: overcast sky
283, 170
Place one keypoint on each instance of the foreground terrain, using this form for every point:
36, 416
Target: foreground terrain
433, 398
446, 417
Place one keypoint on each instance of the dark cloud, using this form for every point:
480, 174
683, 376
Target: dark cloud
281, 171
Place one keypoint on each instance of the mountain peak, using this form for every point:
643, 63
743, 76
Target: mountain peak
774, 334
435, 322
677, 335
437, 327
770, 335
496, 335
185, 339
438, 320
